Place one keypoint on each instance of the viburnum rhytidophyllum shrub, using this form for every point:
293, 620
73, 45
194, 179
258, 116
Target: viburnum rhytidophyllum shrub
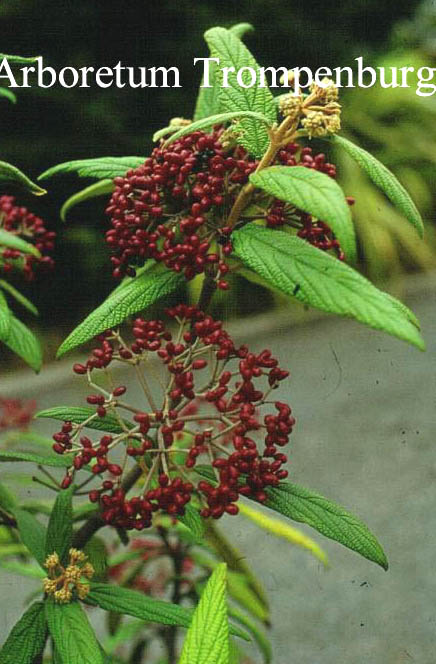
238, 189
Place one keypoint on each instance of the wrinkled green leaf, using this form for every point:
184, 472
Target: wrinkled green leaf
100, 167
12, 175
313, 277
78, 414
136, 295
12, 241
220, 118
32, 533
27, 638
192, 520
101, 188
60, 526
19, 297
207, 639
24, 343
316, 194
5, 317
96, 551
50, 459
384, 179
72, 634
232, 53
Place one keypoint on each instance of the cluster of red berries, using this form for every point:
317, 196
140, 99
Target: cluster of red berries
217, 421
174, 207
26, 225
16, 413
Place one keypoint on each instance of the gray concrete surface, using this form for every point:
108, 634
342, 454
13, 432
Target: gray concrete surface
365, 437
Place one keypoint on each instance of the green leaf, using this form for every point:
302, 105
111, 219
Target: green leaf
331, 520
96, 551
60, 526
208, 98
192, 520
384, 179
27, 638
232, 53
100, 167
220, 118
5, 317
32, 534
136, 604
78, 414
11, 175
101, 188
7, 499
18, 59
207, 639
22, 569
21, 299
24, 343
315, 193
258, 634
12, 241
313, 277
126, 632
49, 459
72, 634
5, 92
139, 293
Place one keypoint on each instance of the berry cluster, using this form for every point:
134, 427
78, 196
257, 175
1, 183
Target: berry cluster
26, 225
212, 394
174, 207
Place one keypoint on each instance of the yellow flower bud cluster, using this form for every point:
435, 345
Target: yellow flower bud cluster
291, 105
62, 581
322, 112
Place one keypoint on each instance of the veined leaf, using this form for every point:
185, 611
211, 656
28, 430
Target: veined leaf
12, 175
315, 193
49, 459
283, 530
220, 118
32, 533
232, 53
207, 100
138, 294
7, 499
384, 179
12, 241
60, 526
101, 188
7, 94
72, 634
258, 634
192, 520
19, 297
313, 277
24, 343
5, 317
207, 639
100, 167
27, 638
331, 520
78, 414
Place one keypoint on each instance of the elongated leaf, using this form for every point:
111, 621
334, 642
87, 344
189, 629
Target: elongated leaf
78, 414
192, 520
101, 188
19, 297
32, 533
207, 101
49, 459
24, 343
22, 569
12, 241
232, 53
283, 530
138, 294
331, 520
384, 179
7, 94
220, 118
207, 639
293, 266
5, 317
18, 59
60, 526
126, 632
12, 175
7, 499
100, 167
258, 634
27, 638
72, 634
315, 193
